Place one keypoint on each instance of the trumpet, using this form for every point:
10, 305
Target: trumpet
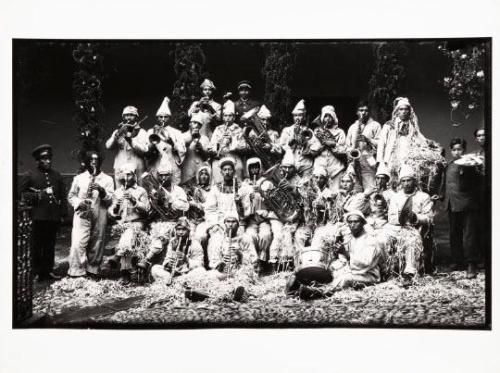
155, 138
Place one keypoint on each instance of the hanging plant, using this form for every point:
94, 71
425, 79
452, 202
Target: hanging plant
189, 61
387, 76
278, 74
465, 83
88, 96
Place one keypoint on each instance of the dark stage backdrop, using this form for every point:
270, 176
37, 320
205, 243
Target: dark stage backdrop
141, 74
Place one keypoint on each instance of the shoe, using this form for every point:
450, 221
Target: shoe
471, 271
407, 280
292, 285
240, 294
309, 293
195, 296
53, 276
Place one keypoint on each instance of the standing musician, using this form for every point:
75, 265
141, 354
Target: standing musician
196, 148
209, 110
222, 199
255, 213
166, 144
130, 140
244, 102
262, 141
227, 140
90, 195
172, 204
397, 135
299, 141
46, 190
129, 207
183, 255
363, 135
332, 140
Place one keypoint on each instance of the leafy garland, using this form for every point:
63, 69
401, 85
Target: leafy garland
465, 84
88, 96
387, 75
278, 73
189, 61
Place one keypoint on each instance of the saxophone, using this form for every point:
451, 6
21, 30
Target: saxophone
87, 211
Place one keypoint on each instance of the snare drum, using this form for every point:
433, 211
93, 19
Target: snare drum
313, 266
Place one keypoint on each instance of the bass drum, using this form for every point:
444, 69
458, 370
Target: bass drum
312, 266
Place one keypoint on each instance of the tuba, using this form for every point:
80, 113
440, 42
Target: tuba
278, 199
252, 122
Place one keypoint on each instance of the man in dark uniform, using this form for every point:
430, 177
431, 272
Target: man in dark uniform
244, 103
49, 209
460, 191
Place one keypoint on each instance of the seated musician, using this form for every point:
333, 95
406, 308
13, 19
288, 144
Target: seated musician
197, 195
360, 262
170, 202
183, 255
294, 235
129, 207
410, 215
255, 213
222, 199
345, 200
382, 178
232, 259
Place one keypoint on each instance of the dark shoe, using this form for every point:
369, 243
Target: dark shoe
124, 279
471, 271
93, 276
407, 280
195, 296
240, 294
292, 285
309, 293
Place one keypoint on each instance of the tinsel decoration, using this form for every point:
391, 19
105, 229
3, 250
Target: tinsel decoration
278, 73
88, 96
189, 61
465, 85
386, 78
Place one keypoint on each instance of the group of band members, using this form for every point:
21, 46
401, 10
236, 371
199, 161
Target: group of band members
231, 195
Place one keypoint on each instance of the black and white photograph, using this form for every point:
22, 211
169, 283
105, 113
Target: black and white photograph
257, 186
201, 184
